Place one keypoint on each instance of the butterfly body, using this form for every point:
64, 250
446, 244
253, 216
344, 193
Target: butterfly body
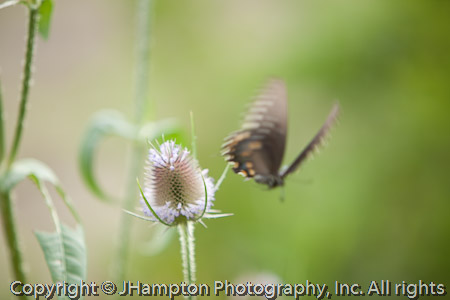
271, 181
257, 149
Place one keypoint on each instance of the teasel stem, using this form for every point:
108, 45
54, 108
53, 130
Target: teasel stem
186, 230
6, 201
142, 67
187, 243
10, 231
29, 53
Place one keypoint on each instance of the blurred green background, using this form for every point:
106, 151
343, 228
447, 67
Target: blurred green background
373, 205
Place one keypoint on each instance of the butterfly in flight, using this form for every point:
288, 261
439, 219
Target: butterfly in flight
257, 149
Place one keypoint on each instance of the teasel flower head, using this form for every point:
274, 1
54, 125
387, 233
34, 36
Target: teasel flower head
175, 188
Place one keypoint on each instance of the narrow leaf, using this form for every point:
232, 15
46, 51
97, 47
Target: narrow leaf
64, 250
45, 12
9, 3
38, 172
149, 206
222, 177
112, 123
24, 168
102, 125
153, 130
65, 254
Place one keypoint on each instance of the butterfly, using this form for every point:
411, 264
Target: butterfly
257, 149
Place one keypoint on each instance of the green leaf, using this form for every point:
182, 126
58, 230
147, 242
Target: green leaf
102, 125
9, 3
24, 168
152, 130
65, 253
64, 250
38, 172
112, 123
45, 12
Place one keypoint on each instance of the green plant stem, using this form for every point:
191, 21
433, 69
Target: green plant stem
187, 245
29, 53
137, 151
191, 249
7, 209
125, 221
142, 68
10, 231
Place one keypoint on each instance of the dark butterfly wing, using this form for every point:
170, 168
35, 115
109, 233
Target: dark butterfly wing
315, 142
258, 148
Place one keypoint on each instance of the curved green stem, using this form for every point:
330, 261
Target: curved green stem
187, 244
32, 27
